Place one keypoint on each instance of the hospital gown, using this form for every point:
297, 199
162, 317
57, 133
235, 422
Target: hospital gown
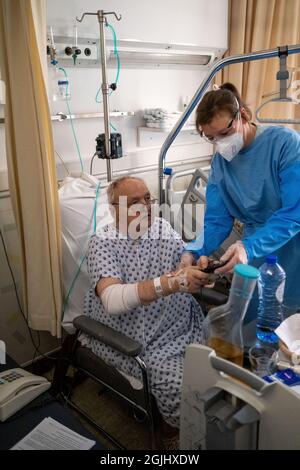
164, 327
261, 188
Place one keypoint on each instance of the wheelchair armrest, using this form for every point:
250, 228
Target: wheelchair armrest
211, 296
108, 336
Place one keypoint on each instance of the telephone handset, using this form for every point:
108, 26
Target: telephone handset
17, 388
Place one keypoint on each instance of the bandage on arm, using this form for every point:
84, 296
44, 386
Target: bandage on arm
120, 298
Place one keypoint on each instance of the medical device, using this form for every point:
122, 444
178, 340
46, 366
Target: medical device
17, 388
115, 146
213, 265
227, 407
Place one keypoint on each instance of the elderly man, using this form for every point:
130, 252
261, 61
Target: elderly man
134, 289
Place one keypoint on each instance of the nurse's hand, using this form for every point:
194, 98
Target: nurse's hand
235, 254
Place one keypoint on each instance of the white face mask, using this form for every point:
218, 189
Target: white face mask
230, 146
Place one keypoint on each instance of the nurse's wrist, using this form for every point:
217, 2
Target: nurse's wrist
247, 249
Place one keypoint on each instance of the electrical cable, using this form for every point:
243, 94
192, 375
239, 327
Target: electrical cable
19, 303
36, 347
91, 165
61, 159
71, 119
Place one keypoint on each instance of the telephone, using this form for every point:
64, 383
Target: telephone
17, 388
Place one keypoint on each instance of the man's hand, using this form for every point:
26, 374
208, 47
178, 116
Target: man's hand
203, 262
190, 279
236, 254
187, 259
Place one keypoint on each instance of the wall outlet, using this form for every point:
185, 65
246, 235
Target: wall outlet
88, 57
88, 52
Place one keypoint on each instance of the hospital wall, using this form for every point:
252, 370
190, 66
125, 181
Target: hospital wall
173, 21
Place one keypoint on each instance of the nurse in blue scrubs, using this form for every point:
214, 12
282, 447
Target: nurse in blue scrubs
255, 178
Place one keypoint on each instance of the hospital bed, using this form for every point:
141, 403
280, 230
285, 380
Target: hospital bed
187, 207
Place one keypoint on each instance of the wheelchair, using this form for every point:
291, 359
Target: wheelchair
84, 361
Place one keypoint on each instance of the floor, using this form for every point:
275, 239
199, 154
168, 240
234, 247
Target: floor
111, 413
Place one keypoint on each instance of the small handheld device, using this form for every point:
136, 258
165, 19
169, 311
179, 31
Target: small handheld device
213, 265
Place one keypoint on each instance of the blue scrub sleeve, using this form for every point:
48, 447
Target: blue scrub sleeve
217, 224
284, 224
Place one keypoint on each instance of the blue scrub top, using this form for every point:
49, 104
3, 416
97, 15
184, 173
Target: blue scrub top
261, 188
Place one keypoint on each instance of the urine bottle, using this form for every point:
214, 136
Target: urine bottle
60, 85
222, 328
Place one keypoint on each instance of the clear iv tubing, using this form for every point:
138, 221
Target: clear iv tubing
118, 61
118, 68
94, 219
71, 121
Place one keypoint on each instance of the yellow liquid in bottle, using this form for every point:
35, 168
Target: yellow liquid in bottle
227, 350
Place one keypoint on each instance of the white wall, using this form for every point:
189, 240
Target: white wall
193, 21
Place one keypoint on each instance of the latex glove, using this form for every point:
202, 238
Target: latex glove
187, 259
235, 254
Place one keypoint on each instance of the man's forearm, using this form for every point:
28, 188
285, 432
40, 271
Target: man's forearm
147, 292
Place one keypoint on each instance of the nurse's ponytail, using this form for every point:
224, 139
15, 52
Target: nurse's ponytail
224, 98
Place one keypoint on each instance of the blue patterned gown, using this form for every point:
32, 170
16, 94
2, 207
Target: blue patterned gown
164, 327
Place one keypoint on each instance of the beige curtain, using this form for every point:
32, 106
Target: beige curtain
30, 159
256, 25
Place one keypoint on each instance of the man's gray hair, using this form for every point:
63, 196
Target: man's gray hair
114, 185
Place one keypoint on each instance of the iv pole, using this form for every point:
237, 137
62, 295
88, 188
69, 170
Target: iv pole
101, 14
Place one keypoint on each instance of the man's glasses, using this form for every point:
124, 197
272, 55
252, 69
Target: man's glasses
145, 201
214, 140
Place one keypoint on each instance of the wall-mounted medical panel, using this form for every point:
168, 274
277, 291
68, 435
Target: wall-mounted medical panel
132, 53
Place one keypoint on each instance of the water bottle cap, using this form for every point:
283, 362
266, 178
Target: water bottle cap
272, 259
245, 270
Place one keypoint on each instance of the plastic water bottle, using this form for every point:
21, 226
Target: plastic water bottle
270, 290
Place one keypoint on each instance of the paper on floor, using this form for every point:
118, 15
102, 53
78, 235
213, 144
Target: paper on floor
51, 435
